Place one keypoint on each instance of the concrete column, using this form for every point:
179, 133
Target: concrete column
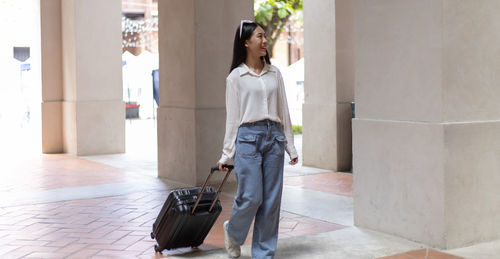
344, 31
329, 84
427, 132
83, 111
196, 41
52, 87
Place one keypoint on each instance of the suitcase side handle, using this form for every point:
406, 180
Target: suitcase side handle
212, 170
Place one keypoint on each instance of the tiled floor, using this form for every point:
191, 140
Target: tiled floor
337, 183
56, 171
102, 227
422, 254
60, 206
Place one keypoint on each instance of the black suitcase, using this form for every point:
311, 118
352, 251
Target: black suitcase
186, 217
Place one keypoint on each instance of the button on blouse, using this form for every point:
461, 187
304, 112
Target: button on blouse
252, 97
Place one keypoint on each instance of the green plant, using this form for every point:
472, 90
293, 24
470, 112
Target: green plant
273, 15
297, 129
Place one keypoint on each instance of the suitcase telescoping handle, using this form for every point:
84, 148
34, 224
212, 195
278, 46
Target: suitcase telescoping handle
212, 170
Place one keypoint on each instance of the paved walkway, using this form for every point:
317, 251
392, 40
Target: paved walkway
60, 206
75, 208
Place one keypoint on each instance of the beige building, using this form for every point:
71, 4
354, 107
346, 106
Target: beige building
289, 47
423, 73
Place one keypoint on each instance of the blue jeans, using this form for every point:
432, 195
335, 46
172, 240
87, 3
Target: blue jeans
258, 161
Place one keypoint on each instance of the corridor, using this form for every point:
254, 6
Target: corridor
61, 206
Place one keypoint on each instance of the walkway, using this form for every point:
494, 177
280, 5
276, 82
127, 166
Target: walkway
60, 206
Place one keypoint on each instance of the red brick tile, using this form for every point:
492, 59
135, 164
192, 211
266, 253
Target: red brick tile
398, 256
140, 233
99, 232
422, 254
39, 227
128, 240
288, 215
39, 234
46, 255
288, 224
116, 235
4, 249
72, 248
336, 183
97, 224
417, 253
62, 242
82, 220
433, 254
13, 219
141, 246
27, 222
94, 241
119, 254
76, 230
28, 243
135, 215
107, 247
53, 236
26, 250
85, 253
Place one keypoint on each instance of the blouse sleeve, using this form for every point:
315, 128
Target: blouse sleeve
232, 120
286, 123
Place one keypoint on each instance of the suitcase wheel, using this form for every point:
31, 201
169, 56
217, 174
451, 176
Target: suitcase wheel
152, 235
157, 249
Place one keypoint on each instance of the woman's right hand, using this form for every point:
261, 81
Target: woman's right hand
220, 167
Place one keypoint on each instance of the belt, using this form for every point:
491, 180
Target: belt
261, 123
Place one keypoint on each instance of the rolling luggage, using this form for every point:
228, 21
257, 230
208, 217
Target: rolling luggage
188, 215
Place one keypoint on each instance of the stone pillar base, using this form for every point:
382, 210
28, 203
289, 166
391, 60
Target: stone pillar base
319, 143
210, 129
434, 183
94, 127
344, 137
52, 121
177, 144
187, 147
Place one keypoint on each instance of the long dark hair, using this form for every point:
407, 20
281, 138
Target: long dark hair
239, 49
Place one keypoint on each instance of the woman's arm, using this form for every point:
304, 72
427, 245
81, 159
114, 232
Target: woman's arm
286, 123
232, 120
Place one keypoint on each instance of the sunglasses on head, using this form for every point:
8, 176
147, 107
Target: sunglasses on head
241, 25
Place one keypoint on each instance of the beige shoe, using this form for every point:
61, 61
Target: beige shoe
232, 248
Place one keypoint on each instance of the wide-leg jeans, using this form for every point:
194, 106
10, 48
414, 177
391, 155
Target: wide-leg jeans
258, 161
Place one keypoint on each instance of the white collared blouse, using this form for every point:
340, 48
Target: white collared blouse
251, 97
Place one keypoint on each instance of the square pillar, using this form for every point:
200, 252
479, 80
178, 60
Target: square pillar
196, 44
52, 87
426, 137
93, 109
329, 84
82, 111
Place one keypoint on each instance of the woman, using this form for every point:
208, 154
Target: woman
258, 130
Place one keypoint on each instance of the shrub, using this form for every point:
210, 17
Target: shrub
297, 129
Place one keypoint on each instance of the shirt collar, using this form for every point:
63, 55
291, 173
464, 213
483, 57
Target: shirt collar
244, 69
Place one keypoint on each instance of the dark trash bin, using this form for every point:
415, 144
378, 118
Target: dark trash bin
132, 110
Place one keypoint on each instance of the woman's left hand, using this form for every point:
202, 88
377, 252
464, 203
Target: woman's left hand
294, 161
